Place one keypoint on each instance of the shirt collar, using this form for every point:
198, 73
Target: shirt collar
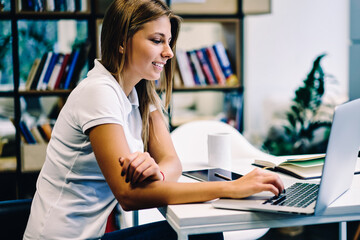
99, 68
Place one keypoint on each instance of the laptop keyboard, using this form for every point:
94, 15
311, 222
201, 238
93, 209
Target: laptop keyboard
297, 195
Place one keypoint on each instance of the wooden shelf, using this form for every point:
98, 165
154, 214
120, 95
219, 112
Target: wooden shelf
206, 88
26, 15
44, 93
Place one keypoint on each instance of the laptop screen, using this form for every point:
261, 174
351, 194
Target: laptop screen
341, 155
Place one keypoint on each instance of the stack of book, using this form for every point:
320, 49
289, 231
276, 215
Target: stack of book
206, 66
54, 5
56, 70
301, 166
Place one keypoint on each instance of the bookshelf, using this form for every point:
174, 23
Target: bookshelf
204, 24
20, 169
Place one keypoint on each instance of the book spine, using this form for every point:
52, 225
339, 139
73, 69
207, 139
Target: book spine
38, 71
35, 132
84, 5
29, 138
84, 50
215, 66
205, 67
50, 5
195, 61
45, 129
225, 65
184, 68
71, 70
49, 71
61, 75
193, 69
44, 70
70, 5
55, 72
32, 73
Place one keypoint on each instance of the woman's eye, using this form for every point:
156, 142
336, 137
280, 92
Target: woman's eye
156, 41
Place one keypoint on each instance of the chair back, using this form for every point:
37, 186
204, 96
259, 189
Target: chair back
190, 141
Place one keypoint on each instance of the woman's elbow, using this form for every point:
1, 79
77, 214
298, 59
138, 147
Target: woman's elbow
126, 201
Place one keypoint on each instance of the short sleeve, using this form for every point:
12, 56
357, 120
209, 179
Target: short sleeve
100, 104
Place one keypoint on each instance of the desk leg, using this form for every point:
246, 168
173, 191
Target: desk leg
342, 230
135, 218
182, 236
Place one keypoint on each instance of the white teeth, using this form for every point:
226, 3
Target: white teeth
158, 64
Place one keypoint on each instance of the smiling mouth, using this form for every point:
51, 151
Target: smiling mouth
160, 65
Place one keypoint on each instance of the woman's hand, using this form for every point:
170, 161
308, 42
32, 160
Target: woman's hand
138, 167
258, 180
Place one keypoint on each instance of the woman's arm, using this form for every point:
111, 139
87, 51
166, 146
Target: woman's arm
160, 161
109, 143
162, 149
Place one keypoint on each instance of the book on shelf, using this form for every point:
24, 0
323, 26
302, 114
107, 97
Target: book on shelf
194, 60
84, 49
26, 133
193, 69
32, 73
49, 71
302, 167
71, 68
215, 65
45, 130
184, 68
205, 66
50, 5
53, 5
55, 73
62, 72
225, 65
44, 70
58, 70
37, 75
37, 135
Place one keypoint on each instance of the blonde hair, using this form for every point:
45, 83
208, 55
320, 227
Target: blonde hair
122, 20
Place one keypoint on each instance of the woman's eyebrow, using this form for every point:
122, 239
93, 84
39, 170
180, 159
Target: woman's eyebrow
161, 34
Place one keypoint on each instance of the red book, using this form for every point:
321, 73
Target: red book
62, 70
205, 67
220, 77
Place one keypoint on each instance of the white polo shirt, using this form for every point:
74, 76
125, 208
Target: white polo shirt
73, 200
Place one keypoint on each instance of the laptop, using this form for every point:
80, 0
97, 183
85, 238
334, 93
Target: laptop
304, 197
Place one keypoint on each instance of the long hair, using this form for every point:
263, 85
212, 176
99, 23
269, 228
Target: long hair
122, 20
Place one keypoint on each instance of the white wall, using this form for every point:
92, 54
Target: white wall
279, 49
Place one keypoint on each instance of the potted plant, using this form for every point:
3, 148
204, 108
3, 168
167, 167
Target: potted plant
307, 128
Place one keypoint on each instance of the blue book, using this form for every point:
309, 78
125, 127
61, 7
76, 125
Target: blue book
71, 69
29, 138
224, 62
193, 69
49, 70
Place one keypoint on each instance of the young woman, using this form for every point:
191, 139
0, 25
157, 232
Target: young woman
110, 143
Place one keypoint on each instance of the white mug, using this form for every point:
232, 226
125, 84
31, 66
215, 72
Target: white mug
219, 150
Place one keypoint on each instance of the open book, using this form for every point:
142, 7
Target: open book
303, 167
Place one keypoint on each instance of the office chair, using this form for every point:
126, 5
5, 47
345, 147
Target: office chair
190, 141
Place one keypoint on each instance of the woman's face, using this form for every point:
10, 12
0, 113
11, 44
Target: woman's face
149, 50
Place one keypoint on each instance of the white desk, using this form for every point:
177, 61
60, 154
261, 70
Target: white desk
188, 219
